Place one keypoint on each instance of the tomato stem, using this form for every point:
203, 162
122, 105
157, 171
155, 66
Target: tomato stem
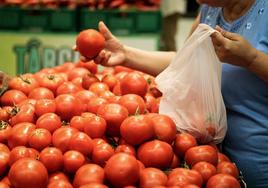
3, 125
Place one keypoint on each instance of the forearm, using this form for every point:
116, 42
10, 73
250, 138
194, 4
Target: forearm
147, 61
259, 65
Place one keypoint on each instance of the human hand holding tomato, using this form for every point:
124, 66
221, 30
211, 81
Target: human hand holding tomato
113, 52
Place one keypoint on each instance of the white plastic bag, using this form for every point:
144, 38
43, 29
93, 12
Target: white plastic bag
191, 87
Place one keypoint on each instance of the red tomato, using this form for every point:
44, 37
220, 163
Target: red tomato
56, 176
222, 157
175, 162
89, 173
49, 121
89, 43
77, 72
11, 97
134, 83
3, 185
88, 80
72, 161
114, 99
43, 106
227, 168
98, 141
150, 177
98, 87
125, 148
78, 82
67, 88
222, 180
41, 93
85, 96
121, 75
134, 103
101, 153
23, 83
156, 154
94, 185
17, 153
6, 181
110, 80
137, 129
27, 101
34, 153
5, 131
155, 91
190, 186
51, 81
68, 106
61, 137
90, 65
122, 170
107, 95
183, 176
28, 173
52, 158
65, 68
151, 104
95, 127
141, 165
164, 128
205, 169
23, 113
201, 153
183, 142
60, 184
117, 90
4, 113
77, 122
94, 104
4, 161
39, 139
19, 134
81, 142
120, 68
114, 114
4, 148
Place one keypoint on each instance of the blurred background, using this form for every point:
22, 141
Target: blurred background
36, 34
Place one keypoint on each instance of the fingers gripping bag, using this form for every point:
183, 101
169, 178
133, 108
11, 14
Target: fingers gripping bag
191, 87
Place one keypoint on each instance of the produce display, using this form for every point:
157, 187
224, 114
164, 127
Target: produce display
85, 126
92, 4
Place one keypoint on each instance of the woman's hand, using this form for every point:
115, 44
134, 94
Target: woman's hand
113, 53
233, 49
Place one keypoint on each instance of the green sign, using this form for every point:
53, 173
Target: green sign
22, 53
29, 52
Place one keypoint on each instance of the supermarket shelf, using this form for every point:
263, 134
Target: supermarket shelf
69, 20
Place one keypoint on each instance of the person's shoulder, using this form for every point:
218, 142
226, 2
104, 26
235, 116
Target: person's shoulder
206, 10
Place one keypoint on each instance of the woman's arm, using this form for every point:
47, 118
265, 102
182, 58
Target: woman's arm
115, 53
151, 62
259, 65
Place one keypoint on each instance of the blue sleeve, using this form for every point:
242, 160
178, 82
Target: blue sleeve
203, 12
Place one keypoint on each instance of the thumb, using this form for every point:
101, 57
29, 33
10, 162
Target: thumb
227, 34
105, 31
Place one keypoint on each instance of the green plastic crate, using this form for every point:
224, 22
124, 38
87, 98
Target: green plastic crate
9, 18
89, 19
35, 18
149, 21
63, 20
122, 22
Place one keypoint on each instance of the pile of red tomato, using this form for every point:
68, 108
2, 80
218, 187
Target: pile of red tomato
78, 126
91, 4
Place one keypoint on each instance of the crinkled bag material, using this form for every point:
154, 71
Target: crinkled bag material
191, 87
